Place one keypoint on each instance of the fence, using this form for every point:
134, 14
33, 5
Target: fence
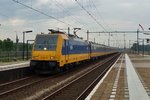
13, 55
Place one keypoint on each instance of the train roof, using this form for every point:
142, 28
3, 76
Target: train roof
96, 43
64, 36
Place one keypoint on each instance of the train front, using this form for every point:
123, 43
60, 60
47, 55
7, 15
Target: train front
44, 54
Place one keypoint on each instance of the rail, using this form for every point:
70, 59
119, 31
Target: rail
82, 96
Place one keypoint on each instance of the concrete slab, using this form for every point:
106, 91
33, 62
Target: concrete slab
122, 91
13, 62
104, 91
136, 89
14, 65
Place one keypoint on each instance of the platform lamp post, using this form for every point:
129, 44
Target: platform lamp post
24, 42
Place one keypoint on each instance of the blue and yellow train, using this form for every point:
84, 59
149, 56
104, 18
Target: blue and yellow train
53, 52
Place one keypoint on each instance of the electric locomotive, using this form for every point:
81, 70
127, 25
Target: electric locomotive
53, 52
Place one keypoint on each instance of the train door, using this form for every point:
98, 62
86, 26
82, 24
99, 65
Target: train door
89, 50
66, 50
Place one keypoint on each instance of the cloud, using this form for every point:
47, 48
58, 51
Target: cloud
126, 4
41, 3
118, 14
67, 3
16, 22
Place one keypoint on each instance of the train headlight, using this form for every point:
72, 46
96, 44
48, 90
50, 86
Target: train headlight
45, 48
35, 57
51, 57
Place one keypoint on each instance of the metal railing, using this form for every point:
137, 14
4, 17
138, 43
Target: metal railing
6, 56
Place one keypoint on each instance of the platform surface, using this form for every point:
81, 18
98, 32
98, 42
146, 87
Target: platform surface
136, 89
129, 79
13, 65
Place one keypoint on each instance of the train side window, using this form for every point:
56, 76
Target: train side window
71, 47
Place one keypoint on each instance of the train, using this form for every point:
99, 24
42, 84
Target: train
53, 52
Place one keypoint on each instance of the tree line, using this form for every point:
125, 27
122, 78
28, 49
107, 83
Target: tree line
9, 45
141, 47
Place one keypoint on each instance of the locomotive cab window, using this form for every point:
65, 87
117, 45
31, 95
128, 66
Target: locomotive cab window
46, 42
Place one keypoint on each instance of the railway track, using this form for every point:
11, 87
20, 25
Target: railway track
10, 85
80, 87
32, 87
19, 84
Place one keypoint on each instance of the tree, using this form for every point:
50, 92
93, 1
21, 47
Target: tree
1, 45
7, 44
134, 47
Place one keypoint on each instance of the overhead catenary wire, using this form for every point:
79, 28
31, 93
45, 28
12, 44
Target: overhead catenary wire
30, 7
42, 13
97, 13
91, 16
68, 12
61, 6
92, 4
101, 17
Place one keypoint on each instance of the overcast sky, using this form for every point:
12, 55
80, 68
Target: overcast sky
111, 15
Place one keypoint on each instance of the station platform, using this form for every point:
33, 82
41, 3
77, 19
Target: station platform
10, 71
13, 65
128, 79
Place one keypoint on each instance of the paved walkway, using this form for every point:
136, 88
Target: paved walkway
13, 65
124, 81
136, 89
